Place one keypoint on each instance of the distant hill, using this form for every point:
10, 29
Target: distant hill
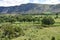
30, 8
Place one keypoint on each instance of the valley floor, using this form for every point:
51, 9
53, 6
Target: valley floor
41, 34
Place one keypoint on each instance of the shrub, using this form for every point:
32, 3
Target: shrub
53, 38
48, 21
11, 31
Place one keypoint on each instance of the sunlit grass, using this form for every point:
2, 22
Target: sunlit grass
41, 34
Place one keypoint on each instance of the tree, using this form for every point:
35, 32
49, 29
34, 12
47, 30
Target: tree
48, 21
56, 15
27, 18
36, 20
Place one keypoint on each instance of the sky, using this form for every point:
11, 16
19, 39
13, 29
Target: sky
19, 2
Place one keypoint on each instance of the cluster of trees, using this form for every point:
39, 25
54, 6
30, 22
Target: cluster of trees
27, 18
19, 18
9, 31
48, 21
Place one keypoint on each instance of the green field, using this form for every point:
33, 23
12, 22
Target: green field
41, 34
38, 33
33, 30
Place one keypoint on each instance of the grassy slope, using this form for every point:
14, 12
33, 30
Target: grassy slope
41, 34
34, 33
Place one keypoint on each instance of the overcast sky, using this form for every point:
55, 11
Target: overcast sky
19, 2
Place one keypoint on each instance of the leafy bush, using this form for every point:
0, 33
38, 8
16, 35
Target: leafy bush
11, 31
53, 38
48, 21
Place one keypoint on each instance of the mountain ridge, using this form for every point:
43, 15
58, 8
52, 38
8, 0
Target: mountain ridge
31, 8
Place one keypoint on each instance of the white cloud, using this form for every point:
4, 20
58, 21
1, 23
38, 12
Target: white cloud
18, 2
13, 2
51, 2
36, 1
47, 1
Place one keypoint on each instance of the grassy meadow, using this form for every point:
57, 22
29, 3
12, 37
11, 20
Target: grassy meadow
32, 30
